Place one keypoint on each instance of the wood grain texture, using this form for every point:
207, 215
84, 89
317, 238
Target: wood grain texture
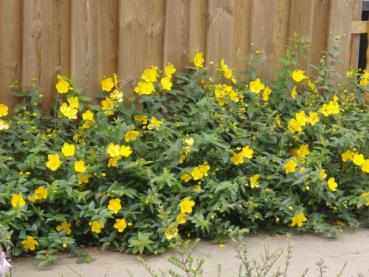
10, 48
176, 41
198, 26
340, 18
84, 45
36, 48
87, 39
132, 41
220, 31
154, 52
241, 35
355, 38
107, 37
262, 33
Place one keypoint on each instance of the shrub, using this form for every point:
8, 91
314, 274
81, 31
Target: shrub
206, 152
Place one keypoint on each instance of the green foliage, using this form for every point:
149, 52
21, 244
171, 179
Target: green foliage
221, 141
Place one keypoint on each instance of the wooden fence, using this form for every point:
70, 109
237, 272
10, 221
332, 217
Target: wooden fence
88, 39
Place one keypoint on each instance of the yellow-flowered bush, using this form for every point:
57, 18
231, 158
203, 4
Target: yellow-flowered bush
208, 155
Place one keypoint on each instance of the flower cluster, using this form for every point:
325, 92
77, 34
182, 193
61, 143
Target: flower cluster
206, 153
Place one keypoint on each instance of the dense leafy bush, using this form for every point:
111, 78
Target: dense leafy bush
203, 156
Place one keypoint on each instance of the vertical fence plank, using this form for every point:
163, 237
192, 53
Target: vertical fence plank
83, 45
176, 40
220, 31
340, 19
60, 42
262, 28
61, 36
301, 23
241, 34
198, 26
132, 41
355, 38
319, 32
155, 32
10, 47
36, 50
280, 32
107, 37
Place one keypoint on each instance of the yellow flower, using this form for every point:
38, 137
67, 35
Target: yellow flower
186, 205
68, 149
169, 70
198, 60
347, 155
302, 151
80, 166
140, 117
17, 201
290, 166
171, 232
88, 116
186, 177
84, 179
114, 161
331, 108
114, 205
4, 125
313, 118
364, 79
131, 136
73, 101
200, 171
113, 150
204, 168
247, 152
237, 158
267, 91
256, 86
68, 111
62, 86
117, 95
29, 243
322, 174
181, 218
365, 166
228, 73
150, 75
294, 92
107, 84
154, 123
332, 185
96, 226
108, 105
197, 174
120, 224
298, 220
166, 83
301, 118
125, 151
40, 193
358, 159
294, 126
53, 162
146, 88
254, 181
65, 226
298, 75
4, 110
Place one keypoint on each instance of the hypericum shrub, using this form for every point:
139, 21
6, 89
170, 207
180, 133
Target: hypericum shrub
212, 155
